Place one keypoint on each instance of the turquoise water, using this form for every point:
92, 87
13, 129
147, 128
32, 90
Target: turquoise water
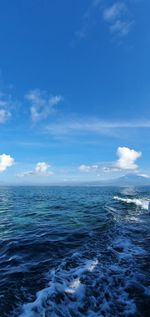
74, 251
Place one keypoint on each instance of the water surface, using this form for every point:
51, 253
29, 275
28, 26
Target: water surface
74, 251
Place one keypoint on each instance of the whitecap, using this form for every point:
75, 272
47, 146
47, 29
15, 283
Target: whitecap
138, 202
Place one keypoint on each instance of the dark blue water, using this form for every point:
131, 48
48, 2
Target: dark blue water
74, 251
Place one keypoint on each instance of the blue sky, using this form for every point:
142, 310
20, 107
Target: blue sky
74, 90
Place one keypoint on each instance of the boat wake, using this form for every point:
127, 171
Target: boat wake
138, 202
100, 287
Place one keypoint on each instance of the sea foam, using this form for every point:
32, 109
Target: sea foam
138, 202
100, 287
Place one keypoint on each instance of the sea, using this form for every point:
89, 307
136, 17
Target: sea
74, 251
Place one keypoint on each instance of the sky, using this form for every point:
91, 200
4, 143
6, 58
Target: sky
74, 90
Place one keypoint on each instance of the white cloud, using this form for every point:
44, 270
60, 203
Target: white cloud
126, 162
88, 168
126, 159
41, 169
5, 162
41, 104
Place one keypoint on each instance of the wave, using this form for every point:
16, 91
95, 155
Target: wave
138, 202
64, 292
99, 287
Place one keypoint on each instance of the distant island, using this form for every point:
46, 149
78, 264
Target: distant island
131, 179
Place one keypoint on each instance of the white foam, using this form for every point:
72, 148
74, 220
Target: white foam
138, 202
63, 284
81, 287
91, 265
97, 287
124, 249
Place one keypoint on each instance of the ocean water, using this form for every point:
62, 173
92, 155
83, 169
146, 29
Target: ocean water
74, 251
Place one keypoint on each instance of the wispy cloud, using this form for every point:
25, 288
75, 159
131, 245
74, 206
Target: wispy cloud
117, 18
87, 19
115, 11
144, 175
40, 169
116, 15
95, 126
6, 106
42, 104
121, 28
4, 115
